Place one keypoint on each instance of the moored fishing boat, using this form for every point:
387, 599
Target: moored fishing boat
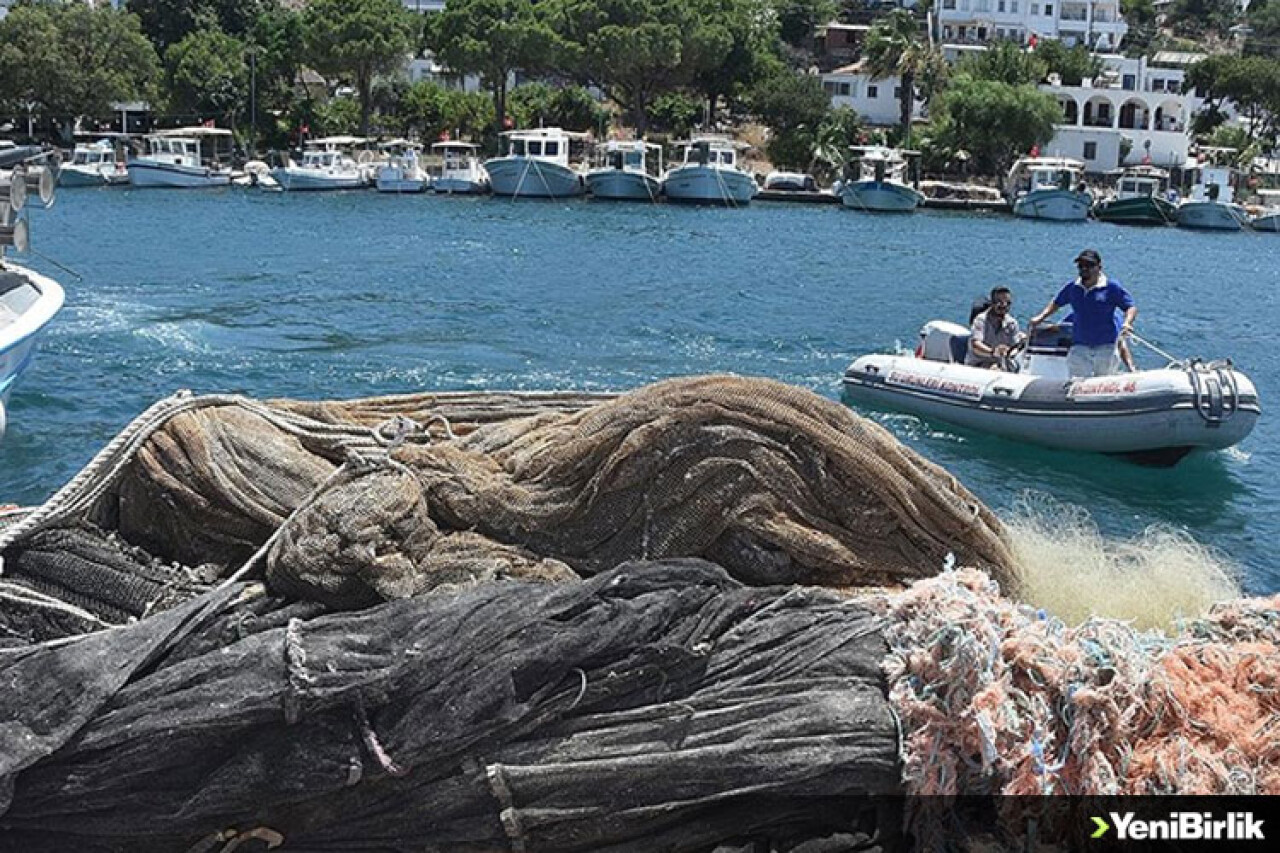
626, 171
93, 165
460, 170
326, 164
401, 171
1139, 199
878, 181
1212, 205
178, 159
536, 165
1049, 188
710, 174
1153, 416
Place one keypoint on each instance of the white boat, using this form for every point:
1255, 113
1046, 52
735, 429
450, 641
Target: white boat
710, 174
536, 165
1268, 219
460, 169
878, 181
1049, 188
1152, 416
627, 171
28, 300
326, 165
176, 159
93, 165
790, 182
402, 170
1211, 205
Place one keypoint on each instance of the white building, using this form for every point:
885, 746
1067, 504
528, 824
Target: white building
1131, 101
1095, 23
876, 101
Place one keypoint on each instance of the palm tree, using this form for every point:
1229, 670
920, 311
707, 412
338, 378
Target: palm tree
896, 47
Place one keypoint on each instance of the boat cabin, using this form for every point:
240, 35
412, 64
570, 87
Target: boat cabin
1142, 182
718, 152
548, 144
456, 155
192, 146
1045, 173
878, 163
101, 153
635, 156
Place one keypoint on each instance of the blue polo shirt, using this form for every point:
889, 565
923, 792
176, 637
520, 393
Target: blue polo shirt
1095, 309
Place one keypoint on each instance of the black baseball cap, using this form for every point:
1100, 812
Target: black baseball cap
1090, 256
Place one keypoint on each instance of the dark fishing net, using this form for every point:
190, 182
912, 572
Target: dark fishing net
656, 706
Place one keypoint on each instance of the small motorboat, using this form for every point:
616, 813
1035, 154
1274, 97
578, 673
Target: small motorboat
1212, 205
1139, 199
710, 174
790, 182
460, 170
400, 172
1049, 188
1154, 417
626, 171
536, 165
28, 300
94, 165
878, 180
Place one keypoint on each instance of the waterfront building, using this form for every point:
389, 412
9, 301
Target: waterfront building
1096, 24
1134, 112
875, 100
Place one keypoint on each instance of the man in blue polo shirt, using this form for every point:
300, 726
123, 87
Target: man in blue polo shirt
1094, 299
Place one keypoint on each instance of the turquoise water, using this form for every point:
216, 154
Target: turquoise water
346, 295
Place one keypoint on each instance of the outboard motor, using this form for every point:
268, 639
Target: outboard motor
941, 340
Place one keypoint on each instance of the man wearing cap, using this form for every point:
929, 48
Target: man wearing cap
1094, 299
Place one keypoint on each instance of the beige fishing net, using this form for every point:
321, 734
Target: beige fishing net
774, 483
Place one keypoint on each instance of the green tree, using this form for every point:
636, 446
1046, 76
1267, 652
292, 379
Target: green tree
993, 120
540, 104
633, 50
676, 113
493, 38
1006, 62
1199, 18
1072, 64
208, 75
1252, 83
1264, 21
1140, 15
73, 60
798, 19
355, 40
167, 22
728, 48
793, 107
896, 47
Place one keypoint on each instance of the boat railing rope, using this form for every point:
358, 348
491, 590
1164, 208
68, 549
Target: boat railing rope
1172, 362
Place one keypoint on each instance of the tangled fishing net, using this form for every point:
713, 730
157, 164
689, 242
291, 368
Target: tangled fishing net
307, 645
1002, 699
772, 482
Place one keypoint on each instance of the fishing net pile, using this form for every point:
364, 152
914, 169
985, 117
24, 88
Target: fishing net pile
376, 500
997, 698
654, 706
565, 622
312, 647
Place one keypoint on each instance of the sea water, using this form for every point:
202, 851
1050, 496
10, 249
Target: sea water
354, 294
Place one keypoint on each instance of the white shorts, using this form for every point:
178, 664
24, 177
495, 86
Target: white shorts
1084, 361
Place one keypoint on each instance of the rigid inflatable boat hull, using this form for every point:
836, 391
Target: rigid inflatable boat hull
1154, 415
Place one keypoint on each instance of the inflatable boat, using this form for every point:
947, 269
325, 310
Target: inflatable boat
1151, 416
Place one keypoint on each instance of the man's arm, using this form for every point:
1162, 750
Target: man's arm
1049, 311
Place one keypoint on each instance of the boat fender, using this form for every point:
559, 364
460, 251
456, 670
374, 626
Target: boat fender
3, 418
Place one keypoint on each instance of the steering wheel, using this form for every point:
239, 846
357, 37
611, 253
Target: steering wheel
1009, 361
